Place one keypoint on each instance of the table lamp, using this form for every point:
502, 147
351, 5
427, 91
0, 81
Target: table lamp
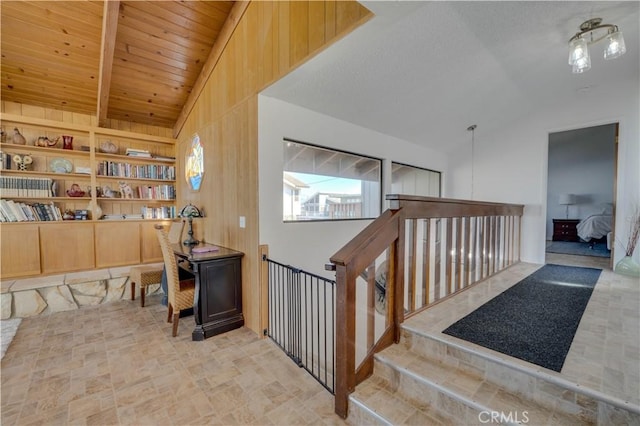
190, 211
567, 199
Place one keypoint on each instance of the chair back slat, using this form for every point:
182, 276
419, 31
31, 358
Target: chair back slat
175, 231
173, 283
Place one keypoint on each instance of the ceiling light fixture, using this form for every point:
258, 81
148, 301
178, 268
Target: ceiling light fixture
592, 31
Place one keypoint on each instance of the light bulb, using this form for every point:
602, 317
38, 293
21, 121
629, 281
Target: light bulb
577, 50
615, 45
581, 65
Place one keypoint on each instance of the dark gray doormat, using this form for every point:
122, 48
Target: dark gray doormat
536, 319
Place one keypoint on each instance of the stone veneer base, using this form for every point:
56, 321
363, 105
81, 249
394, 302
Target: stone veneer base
28, 297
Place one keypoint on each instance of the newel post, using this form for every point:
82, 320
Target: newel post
397, 257
345, 340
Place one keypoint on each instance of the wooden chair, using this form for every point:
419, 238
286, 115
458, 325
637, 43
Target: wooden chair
145, 275
181, 292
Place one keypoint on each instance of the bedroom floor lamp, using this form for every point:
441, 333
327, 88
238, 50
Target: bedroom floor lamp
567, 200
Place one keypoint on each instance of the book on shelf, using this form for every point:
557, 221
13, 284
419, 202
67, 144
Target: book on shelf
133, 216
40, 211
6, 161
21, 186
15, 211
140, 171
18, 213
3, 217
156, 192
113, 217
81, 215
131, 152
28, 213
164, 158
164, 212
7, 211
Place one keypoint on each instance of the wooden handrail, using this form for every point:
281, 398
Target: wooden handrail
368, 240
488, 233
432, 207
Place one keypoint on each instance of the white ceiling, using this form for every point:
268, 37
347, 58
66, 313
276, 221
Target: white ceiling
425, 71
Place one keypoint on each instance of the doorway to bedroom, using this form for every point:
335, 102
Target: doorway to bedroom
581, 196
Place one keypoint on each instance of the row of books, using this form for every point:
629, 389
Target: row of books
164, 212
146, 171
14, 211
18, 186
157, 192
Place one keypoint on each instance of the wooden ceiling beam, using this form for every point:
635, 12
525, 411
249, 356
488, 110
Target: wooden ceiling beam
109, 31
223, 38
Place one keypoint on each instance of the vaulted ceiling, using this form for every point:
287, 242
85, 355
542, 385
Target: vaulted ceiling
128, 60
424, 71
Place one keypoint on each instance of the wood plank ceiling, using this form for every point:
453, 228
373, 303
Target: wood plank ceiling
128, 60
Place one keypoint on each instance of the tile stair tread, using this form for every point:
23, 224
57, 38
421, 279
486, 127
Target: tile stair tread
376, 394
468, 386
478, 353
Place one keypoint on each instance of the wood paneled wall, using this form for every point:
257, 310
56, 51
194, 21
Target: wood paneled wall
77, 118
271, 39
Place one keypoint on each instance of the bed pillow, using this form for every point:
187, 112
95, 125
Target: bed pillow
607, 208
587, 210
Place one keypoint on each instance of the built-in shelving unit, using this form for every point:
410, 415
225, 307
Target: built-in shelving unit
53, 245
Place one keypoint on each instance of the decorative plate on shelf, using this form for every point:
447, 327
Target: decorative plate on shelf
61, 165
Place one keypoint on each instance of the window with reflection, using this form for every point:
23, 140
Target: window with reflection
327, 184
411, 180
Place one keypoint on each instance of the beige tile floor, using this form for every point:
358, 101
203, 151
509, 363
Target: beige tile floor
117, 364
588, 261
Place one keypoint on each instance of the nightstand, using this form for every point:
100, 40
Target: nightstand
565, 230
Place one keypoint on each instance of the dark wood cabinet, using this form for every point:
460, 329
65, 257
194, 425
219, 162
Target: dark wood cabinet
565, 230
217, 304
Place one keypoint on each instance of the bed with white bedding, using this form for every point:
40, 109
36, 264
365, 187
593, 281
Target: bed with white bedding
595, 227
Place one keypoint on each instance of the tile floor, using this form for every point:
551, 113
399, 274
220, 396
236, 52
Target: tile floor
605, 353
117, 364
588, 261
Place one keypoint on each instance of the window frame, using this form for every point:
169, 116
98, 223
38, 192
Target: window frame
419, 168
380, 161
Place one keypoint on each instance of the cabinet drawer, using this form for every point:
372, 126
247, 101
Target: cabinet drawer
565, 230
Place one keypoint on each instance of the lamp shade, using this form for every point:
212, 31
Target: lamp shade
583, 64
567, 199
615, 45
190, 211
578, 50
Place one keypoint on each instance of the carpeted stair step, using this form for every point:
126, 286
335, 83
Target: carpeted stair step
509, 377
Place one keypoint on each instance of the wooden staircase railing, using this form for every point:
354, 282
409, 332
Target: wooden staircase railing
419, 252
